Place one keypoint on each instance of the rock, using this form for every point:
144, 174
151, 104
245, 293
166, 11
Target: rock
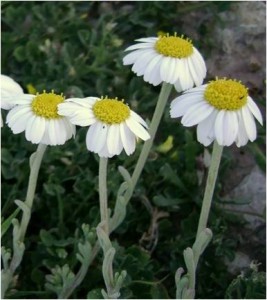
240, 262
240, 44
252, 187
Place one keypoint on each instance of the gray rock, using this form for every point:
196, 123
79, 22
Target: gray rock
240, 41
253, 188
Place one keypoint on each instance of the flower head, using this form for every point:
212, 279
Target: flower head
113, 126
222, 110
167, 58
38, 116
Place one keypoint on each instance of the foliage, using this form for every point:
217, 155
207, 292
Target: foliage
250, 284
77, 48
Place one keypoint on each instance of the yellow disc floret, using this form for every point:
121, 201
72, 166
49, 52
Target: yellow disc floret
111, 111
226, 94
174, 46
45, 105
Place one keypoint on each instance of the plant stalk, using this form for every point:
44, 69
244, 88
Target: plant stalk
211, 180
103, 199
161, 104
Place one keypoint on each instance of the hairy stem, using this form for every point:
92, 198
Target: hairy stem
212, 176
103, 199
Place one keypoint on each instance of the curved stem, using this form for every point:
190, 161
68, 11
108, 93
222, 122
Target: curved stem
35, 166
162, 101
103, 199
212, 176
19, 230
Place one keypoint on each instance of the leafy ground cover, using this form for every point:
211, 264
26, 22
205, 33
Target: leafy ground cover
77, 48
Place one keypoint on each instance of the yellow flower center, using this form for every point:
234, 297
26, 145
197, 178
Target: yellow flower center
45, 105
111, 111
174, 46
226, 94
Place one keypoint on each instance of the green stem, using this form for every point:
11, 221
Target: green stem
212, 176
35, 166
103, 199
162, 101
19, 230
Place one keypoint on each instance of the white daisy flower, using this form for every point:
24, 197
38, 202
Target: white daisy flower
113, 126
171, 59
222, 110
38, 116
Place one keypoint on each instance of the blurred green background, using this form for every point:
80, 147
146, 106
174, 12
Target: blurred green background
76, 48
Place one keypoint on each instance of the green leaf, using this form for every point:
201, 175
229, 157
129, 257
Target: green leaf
84, 36
159, 292
6, 157
6, 224
19, 53
94, 294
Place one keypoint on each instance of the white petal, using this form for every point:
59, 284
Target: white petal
68, 108
199, 63
52, 132
148, 40
198, 79
197, 113
38, 130
30, 129
140, 46
189, 80
177, 69
178, 86
199, 89
188, 98
24, 99
133, 56
230, 128
249, 123
127, 138
60, 131
242, 137
87, 102
138, 118
113, 140
255, 110
16, 113
137, 129
19, 124
151, 67
181, 105
104, 152
155, 77
205, 129
141, 63
69, 128
10, 84
82, 120
219, 127
96, 137
164, 68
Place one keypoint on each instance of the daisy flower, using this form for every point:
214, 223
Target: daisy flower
171, 59
38, 116
113, 126
222, 110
